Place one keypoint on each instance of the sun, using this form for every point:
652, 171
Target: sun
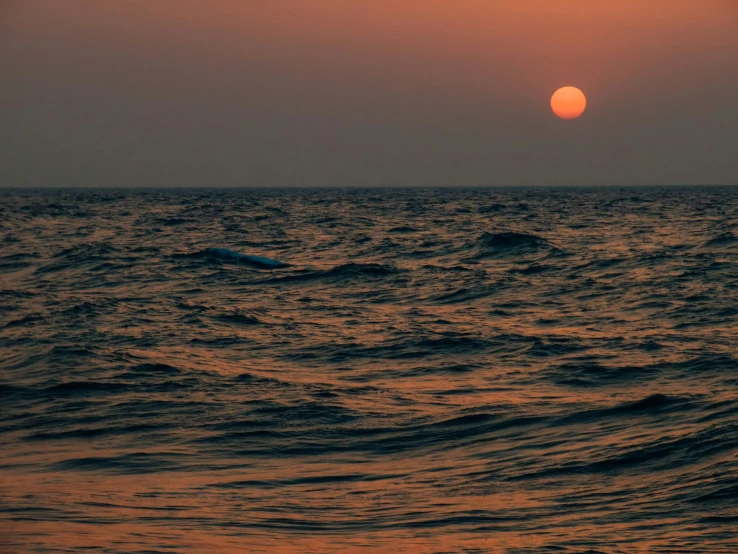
568, 102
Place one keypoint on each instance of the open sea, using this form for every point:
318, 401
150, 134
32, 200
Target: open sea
458, 370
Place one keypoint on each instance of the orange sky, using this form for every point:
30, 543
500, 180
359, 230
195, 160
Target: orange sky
370, 91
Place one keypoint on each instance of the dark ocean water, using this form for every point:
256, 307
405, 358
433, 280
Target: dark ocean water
549, 370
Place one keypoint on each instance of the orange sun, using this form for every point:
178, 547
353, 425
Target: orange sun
568, 103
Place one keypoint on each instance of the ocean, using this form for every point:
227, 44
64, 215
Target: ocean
505, 370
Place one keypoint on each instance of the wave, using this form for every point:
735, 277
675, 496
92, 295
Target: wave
652, 405
404, 229
155, 368
446, 353
81, 256
226, 255
509, 243
659, 454
126, 464
238, 318
339, 273
88, 252
88, 387
589, 373
722, 241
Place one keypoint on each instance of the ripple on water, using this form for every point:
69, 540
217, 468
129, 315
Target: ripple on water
501, 370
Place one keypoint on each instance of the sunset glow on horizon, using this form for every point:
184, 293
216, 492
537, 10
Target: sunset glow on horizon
337, 92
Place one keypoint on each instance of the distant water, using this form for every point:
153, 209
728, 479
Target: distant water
551, 370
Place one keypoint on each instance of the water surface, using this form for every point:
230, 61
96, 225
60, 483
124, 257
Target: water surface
538, 370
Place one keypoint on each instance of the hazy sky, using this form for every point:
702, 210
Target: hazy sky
366, 92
